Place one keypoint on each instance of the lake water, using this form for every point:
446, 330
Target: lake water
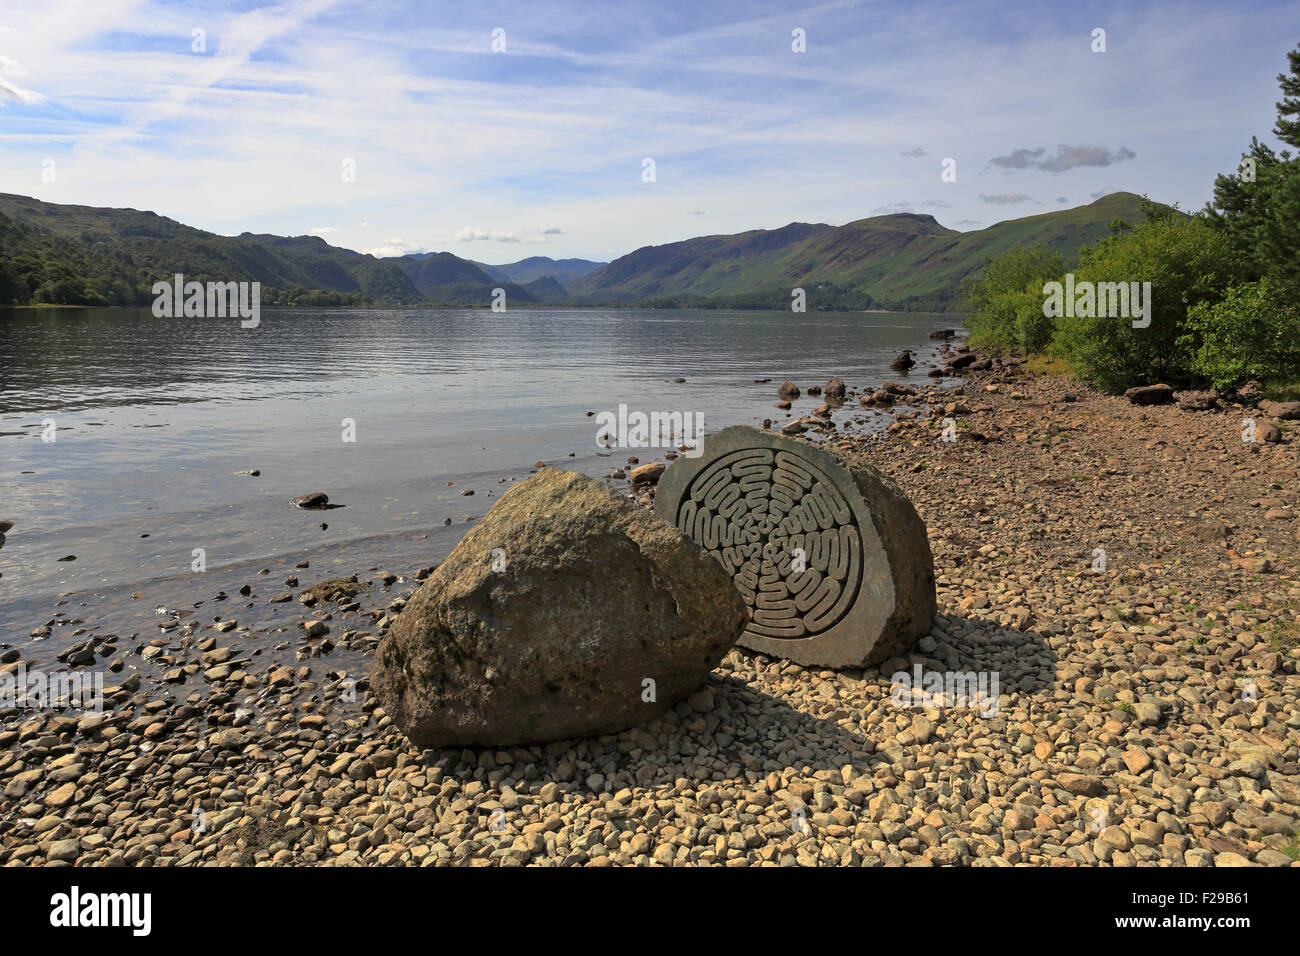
154, 417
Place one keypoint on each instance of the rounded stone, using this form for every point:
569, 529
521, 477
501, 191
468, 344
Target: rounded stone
830, 556
564, 612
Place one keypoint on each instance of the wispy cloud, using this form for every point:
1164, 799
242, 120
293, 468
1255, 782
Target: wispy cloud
10, 70
493, 235
252, 133
1006, 199
907, 206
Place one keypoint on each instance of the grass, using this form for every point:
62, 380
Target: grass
1292, 849
1043, 364
264, 833
1283, 391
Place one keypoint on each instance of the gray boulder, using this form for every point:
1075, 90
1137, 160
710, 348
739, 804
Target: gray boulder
565, 612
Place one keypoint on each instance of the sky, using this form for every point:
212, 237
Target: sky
503, 130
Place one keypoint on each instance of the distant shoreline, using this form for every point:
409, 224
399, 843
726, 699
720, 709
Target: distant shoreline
534, 307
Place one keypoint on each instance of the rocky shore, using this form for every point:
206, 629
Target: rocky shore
1130, 573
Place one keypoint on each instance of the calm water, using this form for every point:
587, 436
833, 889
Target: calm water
154, 417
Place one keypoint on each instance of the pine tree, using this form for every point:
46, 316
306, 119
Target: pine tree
1258, 205
1288, 108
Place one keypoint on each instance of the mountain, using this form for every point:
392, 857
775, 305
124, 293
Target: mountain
430, 271
85, 255
900, 261
535, 267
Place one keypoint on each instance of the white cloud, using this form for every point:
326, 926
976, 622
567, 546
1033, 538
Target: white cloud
396, 247
251, 135
11, 90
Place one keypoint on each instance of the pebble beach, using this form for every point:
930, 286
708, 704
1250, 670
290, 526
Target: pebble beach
1130, 574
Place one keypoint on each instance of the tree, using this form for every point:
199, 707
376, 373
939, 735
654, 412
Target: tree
1257, 207
1005, 300
1186, 262
1251, 334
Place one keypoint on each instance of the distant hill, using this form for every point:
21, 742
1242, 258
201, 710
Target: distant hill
536, 267
900, 261
85, 255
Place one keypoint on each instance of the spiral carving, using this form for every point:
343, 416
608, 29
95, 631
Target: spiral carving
784, 532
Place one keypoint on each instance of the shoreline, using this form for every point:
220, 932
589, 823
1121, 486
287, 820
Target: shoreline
1122, 736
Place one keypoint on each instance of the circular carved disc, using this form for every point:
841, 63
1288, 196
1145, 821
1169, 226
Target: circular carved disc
787, 520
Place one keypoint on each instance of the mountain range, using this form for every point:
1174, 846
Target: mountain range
86, 255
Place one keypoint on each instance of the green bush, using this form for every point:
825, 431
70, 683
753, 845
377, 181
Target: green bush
1187, 263
1253, 333
1005, 301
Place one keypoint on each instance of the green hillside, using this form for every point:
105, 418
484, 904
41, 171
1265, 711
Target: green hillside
539, 267
903, 261
83, 255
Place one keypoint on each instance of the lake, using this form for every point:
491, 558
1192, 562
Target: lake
153, 418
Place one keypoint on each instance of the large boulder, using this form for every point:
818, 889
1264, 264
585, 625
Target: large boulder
548, 620
1284, 411
1150, 394
1198, 401
830, 556
961, 359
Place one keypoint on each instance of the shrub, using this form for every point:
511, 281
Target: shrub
1253, 333
1005, 301
1186, 263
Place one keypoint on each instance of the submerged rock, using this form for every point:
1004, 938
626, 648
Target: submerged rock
314, 499
565, 612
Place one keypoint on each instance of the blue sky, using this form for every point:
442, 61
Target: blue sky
539, 149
